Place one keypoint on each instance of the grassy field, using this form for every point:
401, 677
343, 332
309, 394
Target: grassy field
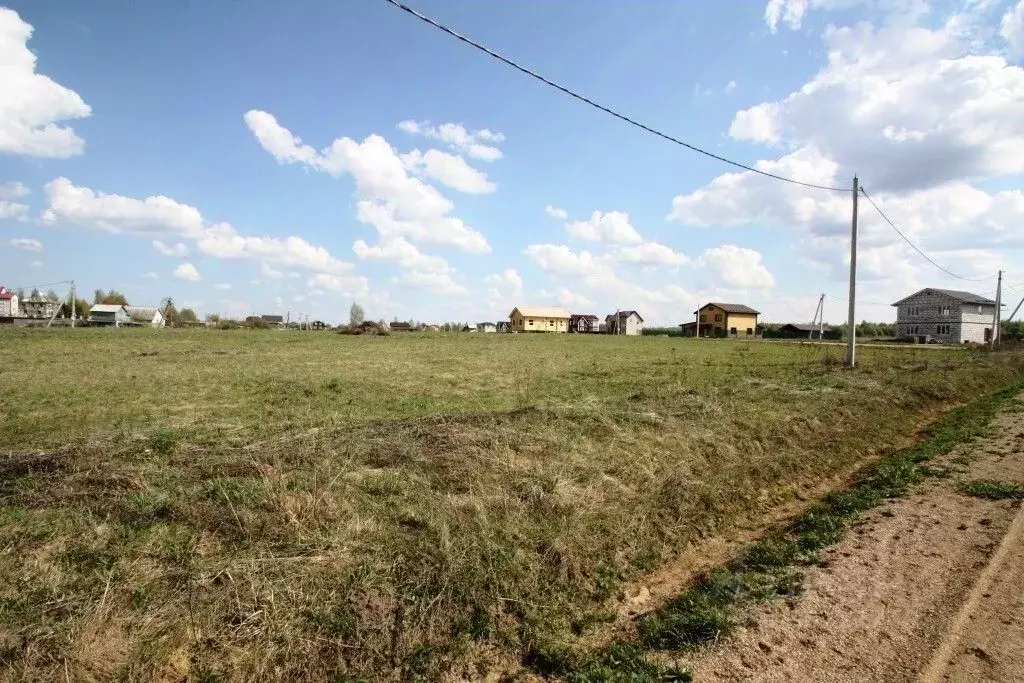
232, 505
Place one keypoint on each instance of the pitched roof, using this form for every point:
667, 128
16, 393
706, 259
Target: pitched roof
106, 308
540, 312
731, 308
959, 295
585, 316
272, 318
142, 313
625, 314
804, 327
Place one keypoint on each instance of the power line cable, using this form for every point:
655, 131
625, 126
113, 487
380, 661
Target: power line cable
918, 249
592, 103
48, 284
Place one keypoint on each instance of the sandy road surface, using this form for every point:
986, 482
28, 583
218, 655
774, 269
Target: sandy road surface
929, 587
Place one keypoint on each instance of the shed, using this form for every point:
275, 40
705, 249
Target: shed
146, 315
109, 315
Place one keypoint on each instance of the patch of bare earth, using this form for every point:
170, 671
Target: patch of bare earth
929, 587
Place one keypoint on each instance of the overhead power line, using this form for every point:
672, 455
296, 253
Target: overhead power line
918, 249
592, 103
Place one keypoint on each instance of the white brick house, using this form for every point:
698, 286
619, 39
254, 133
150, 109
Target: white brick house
946, 315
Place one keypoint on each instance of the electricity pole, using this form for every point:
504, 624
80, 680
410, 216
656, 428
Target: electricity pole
997, 316
851, 323
72, 304
819, 317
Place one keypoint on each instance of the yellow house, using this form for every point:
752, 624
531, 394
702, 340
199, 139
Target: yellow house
733, 320
538, 319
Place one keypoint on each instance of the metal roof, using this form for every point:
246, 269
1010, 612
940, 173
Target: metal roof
731, 308
540, 312
959, 295
106, 308
805, 327
146, 313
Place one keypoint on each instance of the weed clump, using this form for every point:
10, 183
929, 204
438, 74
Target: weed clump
993, 490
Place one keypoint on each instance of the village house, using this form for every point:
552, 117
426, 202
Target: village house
486, 327
8, 303
945, 315
584, 323
807, 331
624, 322
114, 315
40, 308
538, 319
397, 326
147, 316
722, 320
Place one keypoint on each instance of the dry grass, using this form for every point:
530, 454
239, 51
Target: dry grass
291, 506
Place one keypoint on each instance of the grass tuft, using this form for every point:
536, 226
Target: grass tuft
993, 490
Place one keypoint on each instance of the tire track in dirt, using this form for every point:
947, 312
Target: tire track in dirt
891, 591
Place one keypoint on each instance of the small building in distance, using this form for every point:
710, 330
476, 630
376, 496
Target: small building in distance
584, 323
946, 315
400, 327
8, 303
318, 325
502, 326
727, 320
109, 315
689, 329
273, 320
486, 327
147, 316
538, 319
624, 322
42, 309
807, 331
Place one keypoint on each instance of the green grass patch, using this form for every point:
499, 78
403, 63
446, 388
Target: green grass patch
329, 507
993, 490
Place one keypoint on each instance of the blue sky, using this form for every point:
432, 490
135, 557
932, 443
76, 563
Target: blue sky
185, 150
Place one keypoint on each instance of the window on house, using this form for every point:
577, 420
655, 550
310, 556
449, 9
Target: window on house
718, 317
732, 330
944, 310
531, 322
703, 318
979, 308
750, 331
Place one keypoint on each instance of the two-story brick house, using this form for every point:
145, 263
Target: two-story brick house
946, 315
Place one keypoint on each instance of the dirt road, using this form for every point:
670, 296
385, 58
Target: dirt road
926, 588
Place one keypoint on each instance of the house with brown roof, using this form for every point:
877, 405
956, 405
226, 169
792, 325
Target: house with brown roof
946, 315
726, 320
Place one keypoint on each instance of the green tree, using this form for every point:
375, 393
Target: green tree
35, 295
111, 297
187, 315
356, 315
212, 318
52, 295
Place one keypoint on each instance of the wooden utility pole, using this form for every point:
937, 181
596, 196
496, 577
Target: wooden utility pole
819, 317
72, 304
1015, 310
851, 318
997, 317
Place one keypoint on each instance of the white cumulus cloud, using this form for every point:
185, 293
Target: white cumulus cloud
33, 105
450, 169
736, 267
390, 199
555, 212
14, 190
27, 244
186, 271
1011, 28
177, 249
611, 226
479, 144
